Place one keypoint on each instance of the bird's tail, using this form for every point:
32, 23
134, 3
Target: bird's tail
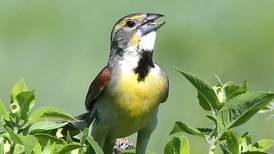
83, 121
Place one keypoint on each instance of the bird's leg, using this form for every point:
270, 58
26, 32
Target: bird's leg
99, 134
143, 138
109, 144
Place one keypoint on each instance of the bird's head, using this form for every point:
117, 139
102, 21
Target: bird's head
135, 33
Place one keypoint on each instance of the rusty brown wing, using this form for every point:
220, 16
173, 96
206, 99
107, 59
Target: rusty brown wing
96, 87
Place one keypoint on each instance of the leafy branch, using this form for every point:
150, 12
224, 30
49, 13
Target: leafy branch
231, 105
23, 131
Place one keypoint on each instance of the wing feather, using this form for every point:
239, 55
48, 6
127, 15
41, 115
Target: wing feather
166, 91
96, 87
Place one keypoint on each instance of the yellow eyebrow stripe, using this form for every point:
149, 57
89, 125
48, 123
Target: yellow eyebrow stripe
135, 18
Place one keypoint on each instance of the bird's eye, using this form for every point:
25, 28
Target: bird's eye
130, 23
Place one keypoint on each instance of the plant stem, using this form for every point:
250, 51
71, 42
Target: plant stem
211, 149
213, 142
212, 145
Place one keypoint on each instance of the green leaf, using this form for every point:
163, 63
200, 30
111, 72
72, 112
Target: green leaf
207, 98
205, 131
94, 145
262, 145
184, 127
69, 140
46, 125
49, 113
240, 109
52, 147
177, 145
232, 142
25, 101
44, 138
224, 148
37, 149
14, 137
3, 111
17, 89
212, 118
235, 90
69, 147
19, 149
47, 149
29, 141
1, 148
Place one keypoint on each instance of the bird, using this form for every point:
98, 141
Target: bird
124, 97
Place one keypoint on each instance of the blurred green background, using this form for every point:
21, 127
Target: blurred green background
59, 46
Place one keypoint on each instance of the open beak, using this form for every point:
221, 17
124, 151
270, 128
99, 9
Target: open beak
149, 25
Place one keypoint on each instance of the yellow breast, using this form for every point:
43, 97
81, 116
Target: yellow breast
138, 98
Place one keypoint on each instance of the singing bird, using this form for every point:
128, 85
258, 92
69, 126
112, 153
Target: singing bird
124, 97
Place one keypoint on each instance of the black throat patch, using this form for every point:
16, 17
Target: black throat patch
144, 65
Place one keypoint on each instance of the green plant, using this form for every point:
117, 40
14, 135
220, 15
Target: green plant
177, 145
41, 131
230, 106
23, 131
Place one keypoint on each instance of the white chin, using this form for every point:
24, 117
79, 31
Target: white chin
147, 41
